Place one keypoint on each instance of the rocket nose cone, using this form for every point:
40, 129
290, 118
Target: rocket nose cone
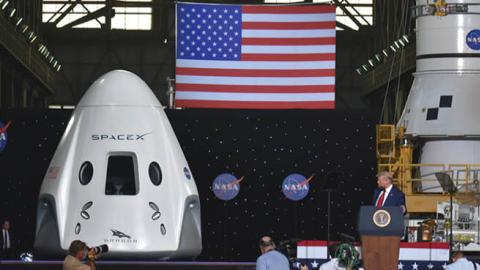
119, 88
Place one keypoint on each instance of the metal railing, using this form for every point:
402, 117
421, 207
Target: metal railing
409, 176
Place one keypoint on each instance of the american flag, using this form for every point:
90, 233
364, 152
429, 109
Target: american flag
412, 256
255, 57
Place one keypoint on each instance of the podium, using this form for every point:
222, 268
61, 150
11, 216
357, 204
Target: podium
380, 231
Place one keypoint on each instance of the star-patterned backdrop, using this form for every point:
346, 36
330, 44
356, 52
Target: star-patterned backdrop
262, 146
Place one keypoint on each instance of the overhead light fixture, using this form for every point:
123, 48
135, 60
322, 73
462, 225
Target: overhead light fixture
59, 67
55, 63
18, 21
397, 44
11, 12
50, 59
4, 4
41, 48
24, 28
33, 38
30, 34
378, 58
385, 52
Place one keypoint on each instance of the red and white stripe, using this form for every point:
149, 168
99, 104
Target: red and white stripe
424, 251
287, 61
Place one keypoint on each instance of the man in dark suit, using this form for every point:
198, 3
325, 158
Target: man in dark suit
6, 242
386, 194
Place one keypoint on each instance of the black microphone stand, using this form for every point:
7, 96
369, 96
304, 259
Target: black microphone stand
331, 185
448, 186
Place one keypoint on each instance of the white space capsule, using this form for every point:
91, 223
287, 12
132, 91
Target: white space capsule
444, 103
119, 177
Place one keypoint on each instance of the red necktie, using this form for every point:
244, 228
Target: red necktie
380, 200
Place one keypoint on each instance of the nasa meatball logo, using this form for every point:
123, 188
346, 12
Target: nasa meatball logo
296, 186
226, 186
3, 135
473, 39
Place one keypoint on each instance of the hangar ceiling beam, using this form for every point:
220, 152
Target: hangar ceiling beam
26, 55
108, 12
345, 10
65, 12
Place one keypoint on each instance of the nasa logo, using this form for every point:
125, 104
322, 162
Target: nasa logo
187, 173
473, 39
296, 186
3, 135
226, 186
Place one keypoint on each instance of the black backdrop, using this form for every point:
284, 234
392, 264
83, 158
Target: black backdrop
263, 146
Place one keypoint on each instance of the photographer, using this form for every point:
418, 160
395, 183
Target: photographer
77, 252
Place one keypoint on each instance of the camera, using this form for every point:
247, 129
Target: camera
100, 249
94, 252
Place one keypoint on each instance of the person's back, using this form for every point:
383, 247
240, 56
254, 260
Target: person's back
463, 264
270, 258
273, 260
72, 263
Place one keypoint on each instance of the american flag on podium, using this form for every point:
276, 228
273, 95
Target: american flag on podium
255, 56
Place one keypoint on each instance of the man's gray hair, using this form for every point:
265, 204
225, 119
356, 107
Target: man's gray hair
388, 175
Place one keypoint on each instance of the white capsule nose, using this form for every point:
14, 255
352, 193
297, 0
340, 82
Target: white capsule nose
119, 88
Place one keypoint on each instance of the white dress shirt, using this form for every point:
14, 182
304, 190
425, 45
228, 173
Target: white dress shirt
387, 191
6, 239
332, 265
462, 264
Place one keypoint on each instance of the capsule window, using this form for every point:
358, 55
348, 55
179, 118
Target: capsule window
155, 173
86, 173
121, 176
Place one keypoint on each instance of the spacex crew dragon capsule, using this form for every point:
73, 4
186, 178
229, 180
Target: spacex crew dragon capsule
119, 177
